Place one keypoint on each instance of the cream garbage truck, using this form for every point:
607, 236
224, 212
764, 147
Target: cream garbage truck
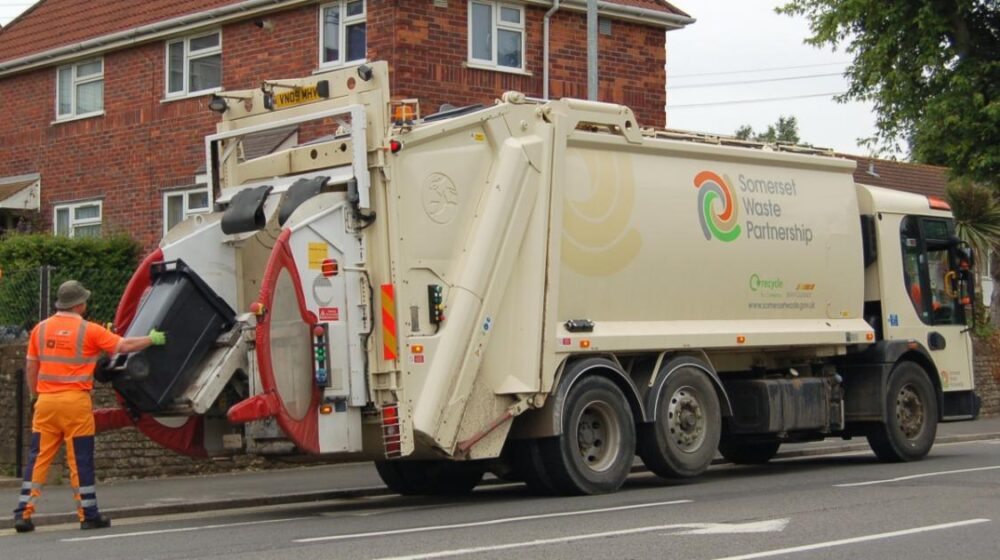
539, 289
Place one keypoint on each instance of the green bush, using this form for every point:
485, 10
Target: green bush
103, 265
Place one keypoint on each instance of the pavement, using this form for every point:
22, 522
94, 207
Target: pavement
165, 496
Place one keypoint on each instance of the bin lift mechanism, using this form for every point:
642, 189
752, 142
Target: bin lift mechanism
359, 137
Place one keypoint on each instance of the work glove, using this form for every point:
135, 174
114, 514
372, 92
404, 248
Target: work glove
158, 338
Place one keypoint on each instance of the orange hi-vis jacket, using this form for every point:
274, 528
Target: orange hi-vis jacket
67, 348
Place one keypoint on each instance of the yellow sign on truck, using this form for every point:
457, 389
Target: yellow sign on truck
544, 289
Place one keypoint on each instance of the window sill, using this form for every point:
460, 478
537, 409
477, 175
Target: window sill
77, 118
192, 95
331, 67
504, 69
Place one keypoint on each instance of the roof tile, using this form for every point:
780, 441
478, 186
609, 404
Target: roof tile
911, 177
56, 23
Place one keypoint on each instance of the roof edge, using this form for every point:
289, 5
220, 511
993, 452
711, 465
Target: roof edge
625, 12
145, 33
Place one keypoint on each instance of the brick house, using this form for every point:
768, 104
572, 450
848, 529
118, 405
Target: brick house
103, 122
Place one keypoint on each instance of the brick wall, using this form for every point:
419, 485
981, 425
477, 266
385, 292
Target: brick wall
428, 58
144, 145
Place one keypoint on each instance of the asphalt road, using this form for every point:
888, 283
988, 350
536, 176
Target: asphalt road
839, 506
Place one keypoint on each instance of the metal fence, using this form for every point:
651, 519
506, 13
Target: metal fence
28, 295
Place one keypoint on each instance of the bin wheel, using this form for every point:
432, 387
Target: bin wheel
430, 478
681, 441
743, 452
594, 453
911, 416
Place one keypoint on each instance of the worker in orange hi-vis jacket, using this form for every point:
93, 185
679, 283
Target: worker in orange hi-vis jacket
62, 353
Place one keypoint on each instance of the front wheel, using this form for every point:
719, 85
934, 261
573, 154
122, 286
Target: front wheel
595, 451
911, 416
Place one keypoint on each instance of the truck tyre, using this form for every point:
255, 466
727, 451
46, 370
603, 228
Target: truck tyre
911, 416
430, 478
682, 439
743, 452
527, 465
594, 454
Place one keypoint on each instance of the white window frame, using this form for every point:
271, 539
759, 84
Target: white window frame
75, 82
190, 55
186, 210
345, 22
497, 25
73, 222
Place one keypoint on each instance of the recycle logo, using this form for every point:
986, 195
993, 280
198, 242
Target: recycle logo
724, 226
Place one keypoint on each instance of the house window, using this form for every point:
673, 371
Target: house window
80, 219
80, 89
181, 205
194, 64
496, 35
342, 33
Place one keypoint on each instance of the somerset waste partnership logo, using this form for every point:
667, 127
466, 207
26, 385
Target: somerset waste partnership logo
724, 226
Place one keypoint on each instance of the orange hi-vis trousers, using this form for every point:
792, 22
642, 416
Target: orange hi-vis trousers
65, 416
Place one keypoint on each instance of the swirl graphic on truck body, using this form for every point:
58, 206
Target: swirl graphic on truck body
724, 226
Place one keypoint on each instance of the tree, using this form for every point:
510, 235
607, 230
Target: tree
932, 69
785, 130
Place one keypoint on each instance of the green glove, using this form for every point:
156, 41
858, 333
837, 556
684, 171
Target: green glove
158, 338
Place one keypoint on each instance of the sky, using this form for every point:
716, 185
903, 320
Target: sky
739, 42
9, 9
736, 42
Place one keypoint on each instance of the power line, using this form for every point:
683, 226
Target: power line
744, 101
761, 81
769, 69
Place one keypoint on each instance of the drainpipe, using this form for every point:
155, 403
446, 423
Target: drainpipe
545, 49
592, 50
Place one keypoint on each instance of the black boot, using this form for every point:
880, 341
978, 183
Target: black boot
100, 522
24, 525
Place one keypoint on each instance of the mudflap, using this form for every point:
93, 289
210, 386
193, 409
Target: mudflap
309, 351
181, 435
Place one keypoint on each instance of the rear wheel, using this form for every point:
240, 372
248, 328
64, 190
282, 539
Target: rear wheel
595, 451
681, 441
430, 478
743, 452
911, 416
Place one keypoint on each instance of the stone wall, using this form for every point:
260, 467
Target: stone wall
11, 363
129, 454
987, 373
125, 453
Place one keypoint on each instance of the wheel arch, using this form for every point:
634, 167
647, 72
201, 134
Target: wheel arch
547, 420
669, 363
887, 355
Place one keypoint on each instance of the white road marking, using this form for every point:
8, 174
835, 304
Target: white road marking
841, 542
767, 526
773, 524
183, 529
915, 476
489, 522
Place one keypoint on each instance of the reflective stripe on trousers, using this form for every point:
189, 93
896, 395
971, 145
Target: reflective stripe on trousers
61, 417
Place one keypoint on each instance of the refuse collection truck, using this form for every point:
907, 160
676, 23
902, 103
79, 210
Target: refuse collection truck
541, 289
